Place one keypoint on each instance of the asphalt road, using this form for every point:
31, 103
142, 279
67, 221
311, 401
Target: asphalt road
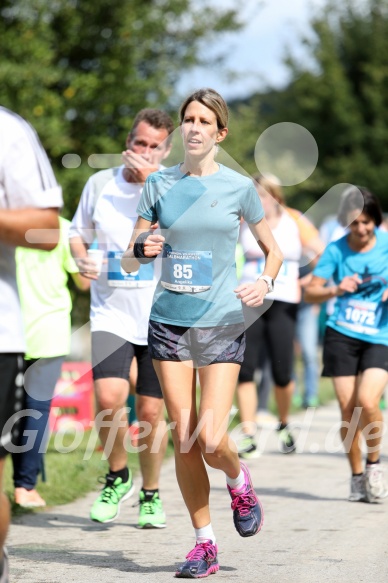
311, 533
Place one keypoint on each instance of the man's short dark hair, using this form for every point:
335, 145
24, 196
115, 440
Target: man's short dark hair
157, 119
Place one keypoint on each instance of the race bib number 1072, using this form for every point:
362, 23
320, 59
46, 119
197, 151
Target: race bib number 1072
359, 315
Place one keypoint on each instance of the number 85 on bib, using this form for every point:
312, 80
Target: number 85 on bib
187, 271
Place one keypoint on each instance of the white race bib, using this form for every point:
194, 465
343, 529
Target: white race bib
117, 277
359, 315
187, 271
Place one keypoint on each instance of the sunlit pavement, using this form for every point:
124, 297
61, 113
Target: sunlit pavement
311, 533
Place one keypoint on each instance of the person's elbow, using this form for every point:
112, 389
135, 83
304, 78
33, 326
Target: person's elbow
46, 231
52, 225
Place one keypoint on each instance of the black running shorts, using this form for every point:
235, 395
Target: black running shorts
11, 397
345, 356
112, 357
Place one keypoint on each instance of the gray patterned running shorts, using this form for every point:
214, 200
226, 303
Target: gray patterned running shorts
203, 346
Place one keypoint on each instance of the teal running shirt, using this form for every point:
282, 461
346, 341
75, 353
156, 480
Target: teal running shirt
200, 220
362, 314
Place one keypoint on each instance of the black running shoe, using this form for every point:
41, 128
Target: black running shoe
248, 512
200, 562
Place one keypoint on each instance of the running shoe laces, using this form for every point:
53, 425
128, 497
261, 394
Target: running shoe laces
247, 510
107, 506
148, 507
243, 501
146, 502
151, 513
200, 562
109, 493
205, 550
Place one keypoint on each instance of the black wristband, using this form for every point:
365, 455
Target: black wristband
138, 250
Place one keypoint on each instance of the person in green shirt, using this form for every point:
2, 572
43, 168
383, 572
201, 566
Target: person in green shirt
46, 305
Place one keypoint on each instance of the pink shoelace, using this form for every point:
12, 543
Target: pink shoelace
202, 551
243, 502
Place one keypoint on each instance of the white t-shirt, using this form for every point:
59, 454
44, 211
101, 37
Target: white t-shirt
286, 234
26, 180
106, 213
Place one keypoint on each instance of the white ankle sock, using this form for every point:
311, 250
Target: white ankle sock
236, 483
205, 533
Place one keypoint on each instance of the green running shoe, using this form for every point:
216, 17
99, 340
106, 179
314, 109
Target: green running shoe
151, 513
287, 443
247, 448
107, 506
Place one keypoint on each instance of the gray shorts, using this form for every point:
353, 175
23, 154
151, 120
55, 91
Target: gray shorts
203, 346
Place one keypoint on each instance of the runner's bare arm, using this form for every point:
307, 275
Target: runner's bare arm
30, 227
253, 294
317, 291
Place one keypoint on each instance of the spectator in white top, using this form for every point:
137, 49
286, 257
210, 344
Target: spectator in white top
29, 201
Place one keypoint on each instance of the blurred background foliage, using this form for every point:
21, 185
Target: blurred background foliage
341, 97
80, 70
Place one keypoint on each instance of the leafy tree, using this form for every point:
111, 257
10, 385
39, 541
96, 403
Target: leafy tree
80, 70
344, 103
341, 98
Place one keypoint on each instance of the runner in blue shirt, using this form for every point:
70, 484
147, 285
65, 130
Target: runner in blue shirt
196, 321
355, 351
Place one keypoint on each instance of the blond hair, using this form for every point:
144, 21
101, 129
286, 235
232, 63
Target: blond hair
272, 185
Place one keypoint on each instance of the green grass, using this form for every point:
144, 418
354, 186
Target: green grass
326, 391
68, 475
